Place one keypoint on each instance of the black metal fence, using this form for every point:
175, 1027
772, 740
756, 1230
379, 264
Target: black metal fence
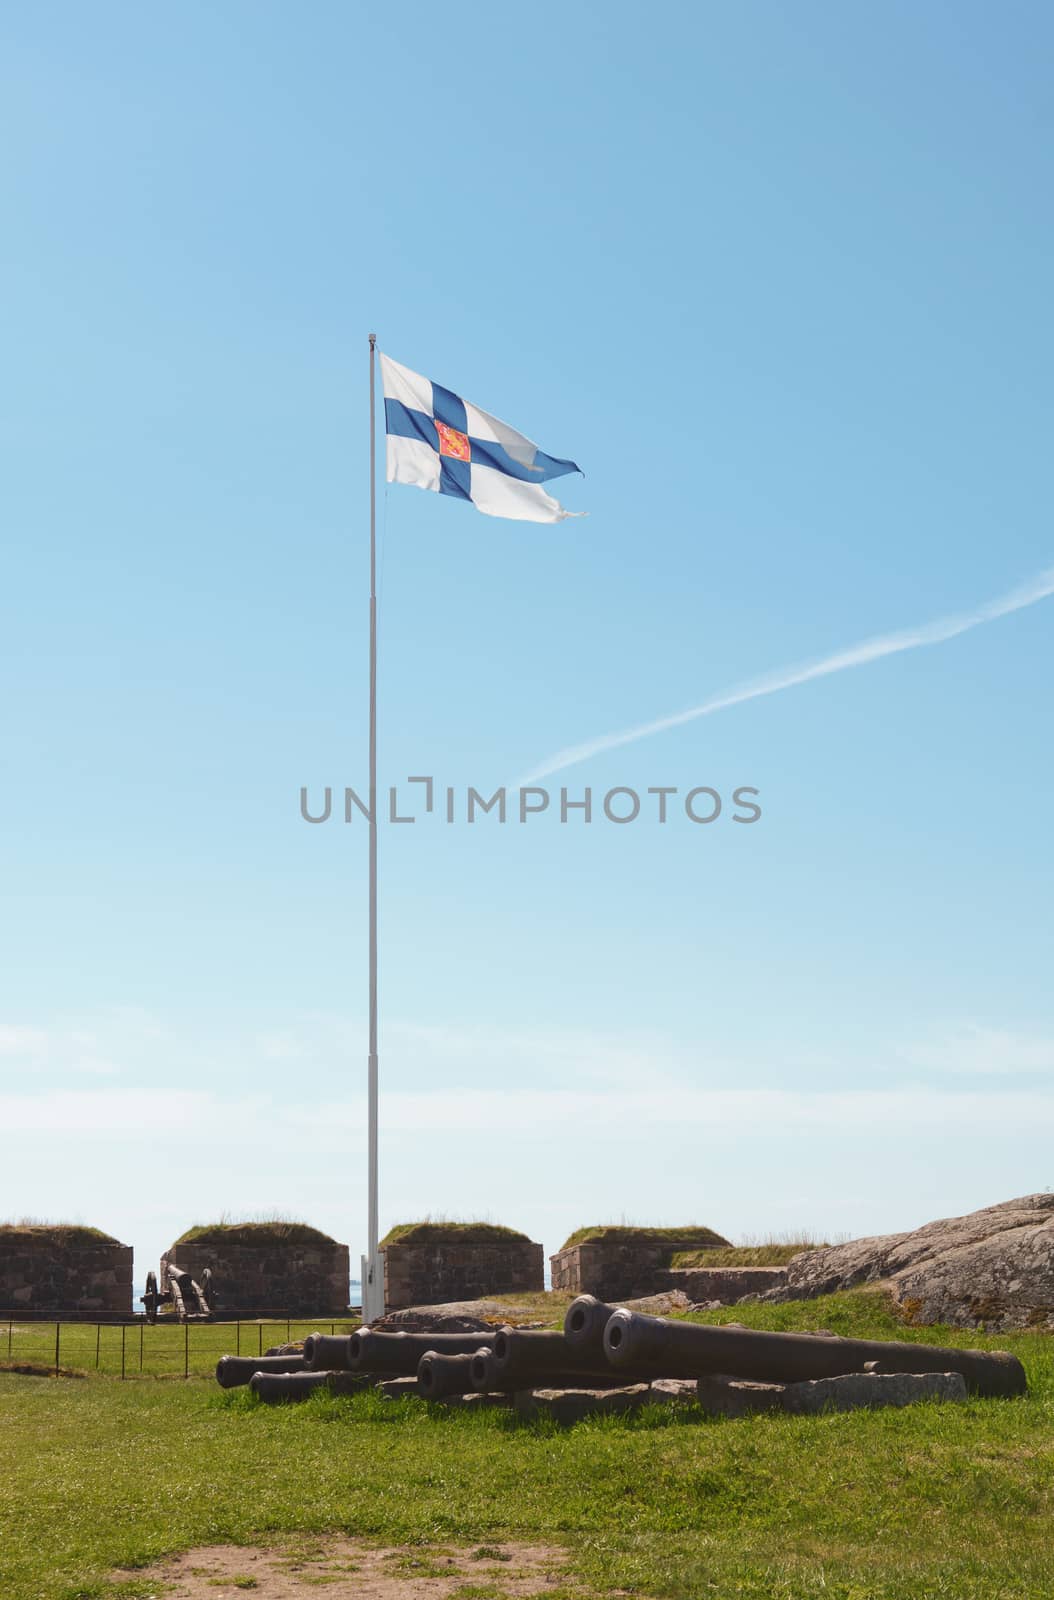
139, 1349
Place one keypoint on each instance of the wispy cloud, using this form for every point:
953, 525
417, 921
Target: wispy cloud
117, 1116
68, 1152
18, 1040
978, 1051
857, 655
306, 1128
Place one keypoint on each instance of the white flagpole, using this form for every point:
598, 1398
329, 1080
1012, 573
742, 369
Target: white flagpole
372, 1272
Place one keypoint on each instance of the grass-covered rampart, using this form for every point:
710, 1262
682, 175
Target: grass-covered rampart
691, 1237
430, 1232
261, 1234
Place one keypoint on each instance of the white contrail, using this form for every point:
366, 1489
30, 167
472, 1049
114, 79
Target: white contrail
857, 655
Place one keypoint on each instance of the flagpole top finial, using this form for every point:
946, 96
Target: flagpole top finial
373, 340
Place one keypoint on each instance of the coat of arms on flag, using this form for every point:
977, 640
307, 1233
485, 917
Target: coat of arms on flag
438, 441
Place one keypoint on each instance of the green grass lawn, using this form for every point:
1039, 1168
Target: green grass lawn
949, 1501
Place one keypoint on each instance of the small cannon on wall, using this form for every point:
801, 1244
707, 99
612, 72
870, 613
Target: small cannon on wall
191, 1301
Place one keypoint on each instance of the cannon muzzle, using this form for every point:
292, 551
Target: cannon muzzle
326, 1352
656, 1348
585, 1322
481, 1372
439, 1375
233, 1371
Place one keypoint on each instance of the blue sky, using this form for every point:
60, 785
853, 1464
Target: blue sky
779, 282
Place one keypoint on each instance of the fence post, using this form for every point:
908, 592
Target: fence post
98, 1336
124, 1330
141, 1326
287, 1327
259, 1329
186, 1349
239, 1348
10, 1329
58, 1333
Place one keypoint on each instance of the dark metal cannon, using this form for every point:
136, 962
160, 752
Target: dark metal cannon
275, 1388
396, 1355
233, 1371
658, 1348
526, 1358
440, 1375
326, 1352
486, 1379
191, 1301
585, 1322
481, 1371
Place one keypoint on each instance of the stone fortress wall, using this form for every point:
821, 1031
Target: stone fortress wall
45, 1267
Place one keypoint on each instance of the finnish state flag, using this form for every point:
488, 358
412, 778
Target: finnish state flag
438, 441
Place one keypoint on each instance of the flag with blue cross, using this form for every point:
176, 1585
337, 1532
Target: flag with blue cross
440, 442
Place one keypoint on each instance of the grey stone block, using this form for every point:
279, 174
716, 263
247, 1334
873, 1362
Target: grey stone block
397, 1388
872, 1389
673, 1391
734, 1397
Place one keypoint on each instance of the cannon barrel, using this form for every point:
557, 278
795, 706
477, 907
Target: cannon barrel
326, 1352
584, 1324
662, 1349
274, 1388
232, 1371
486, 1379
526, 1358
439, 1375
396, 1355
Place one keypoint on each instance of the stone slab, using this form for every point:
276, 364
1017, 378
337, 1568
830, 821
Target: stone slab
735, 1397
673, 1391
397, 1388
858, 1390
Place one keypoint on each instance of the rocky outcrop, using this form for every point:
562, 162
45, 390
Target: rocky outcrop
993, 1268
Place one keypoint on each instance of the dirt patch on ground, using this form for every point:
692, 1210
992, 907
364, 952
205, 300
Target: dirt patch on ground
36, 1369
347, 1569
